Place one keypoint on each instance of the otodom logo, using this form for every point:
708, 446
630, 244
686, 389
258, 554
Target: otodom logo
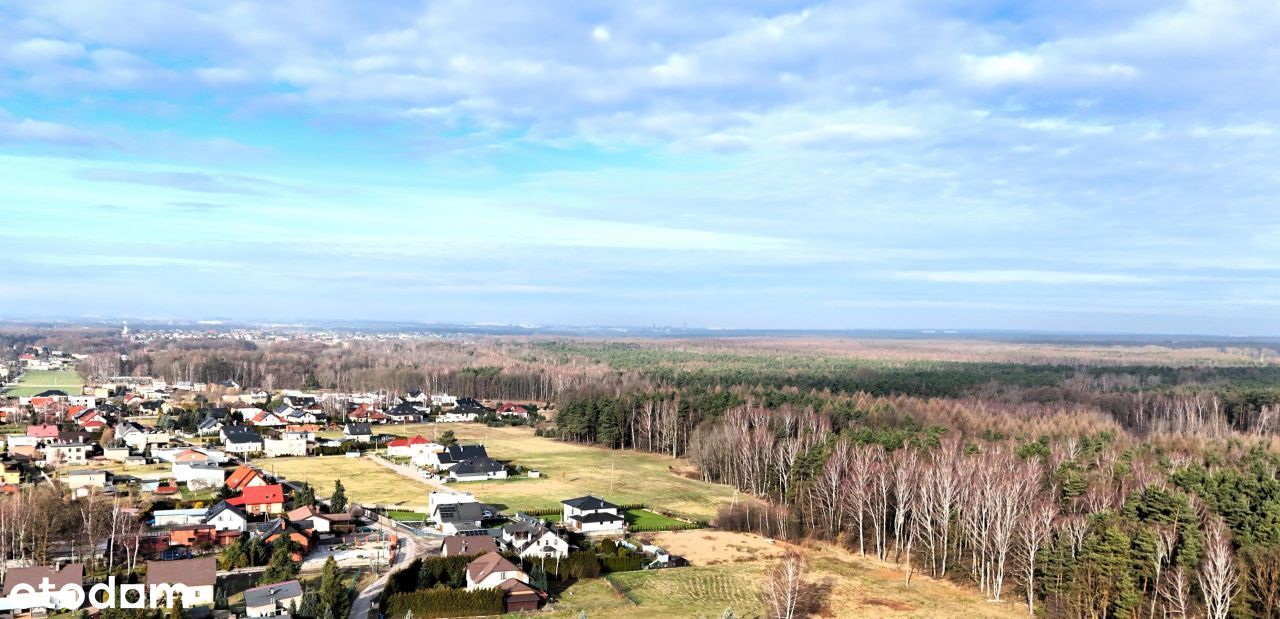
100, 596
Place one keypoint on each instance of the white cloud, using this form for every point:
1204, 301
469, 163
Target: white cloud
993, 276
600, 33
1005, 68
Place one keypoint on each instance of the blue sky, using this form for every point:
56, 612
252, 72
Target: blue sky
1095, 165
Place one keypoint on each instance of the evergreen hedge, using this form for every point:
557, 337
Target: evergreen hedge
443, 602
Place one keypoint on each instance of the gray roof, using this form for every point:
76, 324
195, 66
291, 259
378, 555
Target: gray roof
272, 594
462, 512
357, 428
589, 503
476, 466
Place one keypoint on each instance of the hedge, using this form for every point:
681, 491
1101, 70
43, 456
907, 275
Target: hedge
443, 602
622, 564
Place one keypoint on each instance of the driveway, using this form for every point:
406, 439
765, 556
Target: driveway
410, 548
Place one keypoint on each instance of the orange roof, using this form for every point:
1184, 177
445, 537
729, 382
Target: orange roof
419, 440
242, 476
400, 442
259, 495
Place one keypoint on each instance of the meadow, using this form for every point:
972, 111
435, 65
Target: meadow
571, 470
38, 381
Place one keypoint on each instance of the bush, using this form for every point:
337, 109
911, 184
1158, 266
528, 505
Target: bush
443, 602
629, 563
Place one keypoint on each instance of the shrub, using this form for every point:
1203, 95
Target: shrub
441, 602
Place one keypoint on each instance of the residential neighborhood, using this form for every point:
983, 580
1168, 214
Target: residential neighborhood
214, 504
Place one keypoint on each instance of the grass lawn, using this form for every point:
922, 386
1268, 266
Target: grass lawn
571, 470
683, 592
363, 480
38, 381
405, 516
649, 521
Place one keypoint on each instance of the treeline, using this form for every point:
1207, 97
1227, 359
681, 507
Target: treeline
1078, 524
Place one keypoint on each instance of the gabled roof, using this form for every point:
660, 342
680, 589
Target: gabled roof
72, 573
242, 476
260, 495
241, 434
487, 564
587, 503
458, 453
469, 545
354, 429
476, 466
223, 506
275, 594
191, 572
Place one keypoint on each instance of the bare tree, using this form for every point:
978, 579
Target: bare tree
1218, 577
786, 595
1035, 532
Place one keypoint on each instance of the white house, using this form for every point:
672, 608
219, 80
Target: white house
179, 517
277, 447
241, 440
358, 432
66, 454
491, 570
273, 600
529, 536
86, 479
227, 517
588, 514
456, 417
199, 475
444, 400
445, 497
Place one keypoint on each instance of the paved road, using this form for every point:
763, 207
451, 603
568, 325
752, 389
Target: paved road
410, 548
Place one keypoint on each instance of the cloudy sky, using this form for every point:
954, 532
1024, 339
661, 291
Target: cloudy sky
1025, 164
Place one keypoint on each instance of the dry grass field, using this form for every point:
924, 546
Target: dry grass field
364, 481
729, 568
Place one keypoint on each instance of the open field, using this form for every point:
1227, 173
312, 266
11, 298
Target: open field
730, 566
571, 470
364, 481
36, 382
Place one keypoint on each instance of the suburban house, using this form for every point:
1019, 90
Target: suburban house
199, 475
492, 571
245, 477
86, 479
412, 447
305, 431
66, 454
529, 536
310, 517
241, 440
268, 419
46, 431
279, 599
140, 437
404, 412
198, 575
209, 426
477, 469
443, 400
456, 518
358, 432
22, 587
513, 410
458, 545
453, 454
261, 500
446, 497
10, 473
277, 447
588, 514
457, 416
179, 517
271, 530
227, 517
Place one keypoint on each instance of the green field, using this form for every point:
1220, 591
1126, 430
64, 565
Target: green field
406, 516
35, 382
571, 470
645, 520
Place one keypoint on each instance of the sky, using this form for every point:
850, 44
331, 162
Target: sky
1091, 166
